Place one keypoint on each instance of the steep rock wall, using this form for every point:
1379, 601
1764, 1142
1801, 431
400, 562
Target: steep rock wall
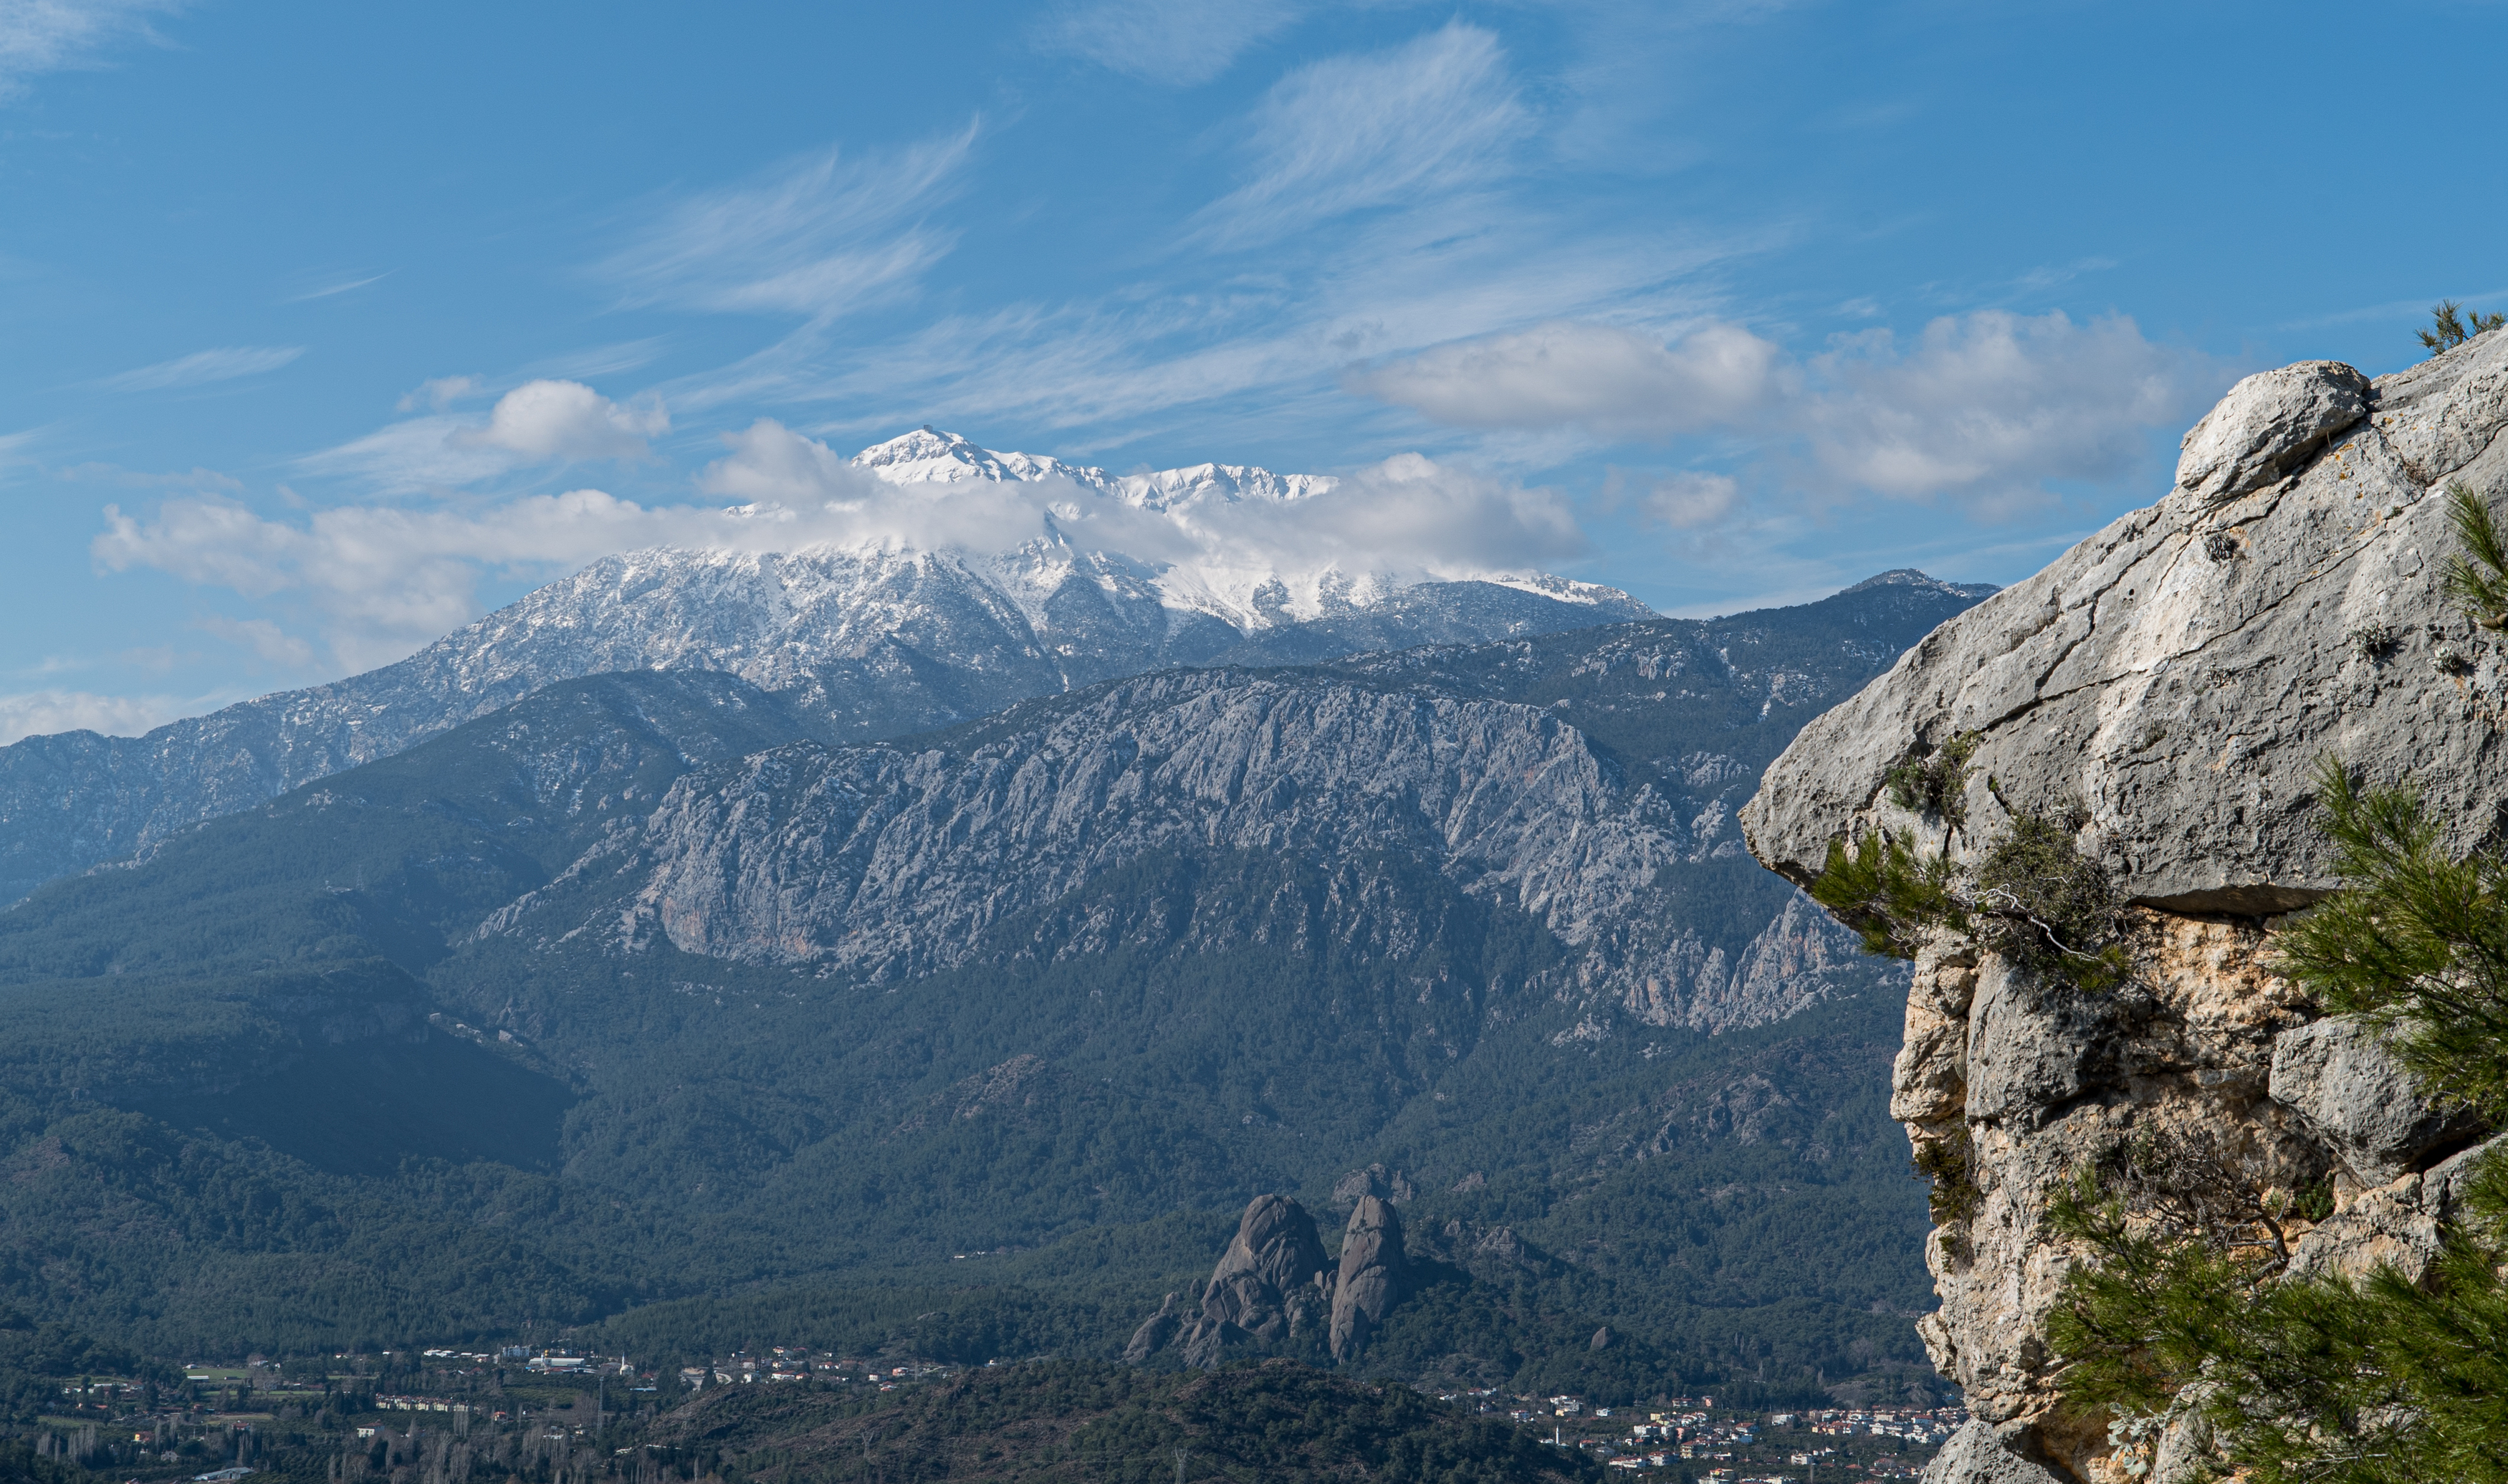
2174, 681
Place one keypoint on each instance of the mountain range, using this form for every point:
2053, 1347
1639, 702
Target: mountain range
875, 639
638, 992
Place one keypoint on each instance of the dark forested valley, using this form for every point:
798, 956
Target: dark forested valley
646, 1017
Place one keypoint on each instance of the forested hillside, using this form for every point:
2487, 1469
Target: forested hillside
452, 1047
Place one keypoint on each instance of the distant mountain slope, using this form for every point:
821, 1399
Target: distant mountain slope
754, 1006
877, 640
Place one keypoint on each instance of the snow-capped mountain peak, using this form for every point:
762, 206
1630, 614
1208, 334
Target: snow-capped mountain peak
929, 454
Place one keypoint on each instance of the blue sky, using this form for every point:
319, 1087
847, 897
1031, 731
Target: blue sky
317, 311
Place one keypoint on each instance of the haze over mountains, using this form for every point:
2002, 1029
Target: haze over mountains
989, 579
622, 959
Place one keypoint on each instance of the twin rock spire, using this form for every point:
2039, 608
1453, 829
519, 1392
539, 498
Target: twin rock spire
1275, 1282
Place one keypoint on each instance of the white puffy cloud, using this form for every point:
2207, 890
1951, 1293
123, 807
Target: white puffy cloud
1177, 43
202, 367
1987, 407
40, 713
823, 236
1603, 377
549, 422
382, 579
1984, 408
1431, 117
38, 36
540, 421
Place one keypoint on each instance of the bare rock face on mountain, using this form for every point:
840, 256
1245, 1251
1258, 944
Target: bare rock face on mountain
2181, 672
1375, 1276
1274, 1283
1270, 1281
883, 865
2168, 689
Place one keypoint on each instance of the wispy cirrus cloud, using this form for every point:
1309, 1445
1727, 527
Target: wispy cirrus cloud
39, 36
337, 286
1434, 116
820, 237
1178, 43
203, 367
1611, 378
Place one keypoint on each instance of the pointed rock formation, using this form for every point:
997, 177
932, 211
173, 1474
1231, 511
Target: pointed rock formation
1273, 1283
1154, 1333
1375, 1276
1270, 1273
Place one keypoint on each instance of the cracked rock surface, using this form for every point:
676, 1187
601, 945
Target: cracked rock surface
2168, 686
2180, 673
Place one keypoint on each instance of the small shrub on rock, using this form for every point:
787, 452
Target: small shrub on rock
1948, 1164
2050, 906
1934, 783
2452, 325
2477, 575
1890, 892
2184, 1306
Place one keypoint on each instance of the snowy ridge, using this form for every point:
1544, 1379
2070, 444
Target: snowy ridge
1247, 595
874, 638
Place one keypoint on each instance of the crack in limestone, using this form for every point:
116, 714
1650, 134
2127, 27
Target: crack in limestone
2185, 536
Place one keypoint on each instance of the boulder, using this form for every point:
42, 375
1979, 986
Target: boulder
1375, 1276
2179, 674
1155, 1332
1273, 1283
2268, 425
2338, 1077
1975, 1455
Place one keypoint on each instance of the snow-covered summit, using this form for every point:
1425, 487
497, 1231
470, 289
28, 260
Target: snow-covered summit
1237, 542
929, 454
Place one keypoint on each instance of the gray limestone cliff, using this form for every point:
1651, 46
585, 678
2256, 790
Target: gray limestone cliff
2170, 684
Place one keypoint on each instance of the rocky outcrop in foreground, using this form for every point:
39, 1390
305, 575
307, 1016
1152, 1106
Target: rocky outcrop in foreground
2168, 687
1275, 1285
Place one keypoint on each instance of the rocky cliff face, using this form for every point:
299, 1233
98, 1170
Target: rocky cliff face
880, 865
2169, 685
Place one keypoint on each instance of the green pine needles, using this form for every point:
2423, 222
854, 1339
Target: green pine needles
2185, 1307
2034, 897
2477, 575
2452, 325
2052, 907
1890, 892
2417, 941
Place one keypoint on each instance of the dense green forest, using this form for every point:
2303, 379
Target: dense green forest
1081, 1421
267, 1090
